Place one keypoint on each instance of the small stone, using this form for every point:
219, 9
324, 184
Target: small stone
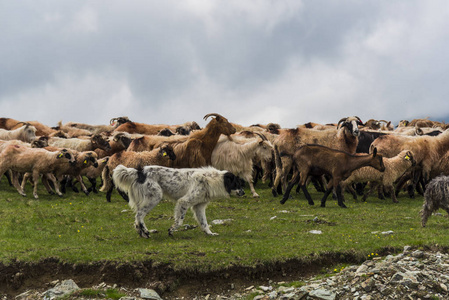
149, 294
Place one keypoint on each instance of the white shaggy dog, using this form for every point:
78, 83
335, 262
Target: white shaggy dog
188, 187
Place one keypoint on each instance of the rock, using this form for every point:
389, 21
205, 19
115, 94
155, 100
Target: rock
149, 294
64, 288
322, 294
315, 232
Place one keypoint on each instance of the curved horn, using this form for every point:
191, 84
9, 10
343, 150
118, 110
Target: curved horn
213, 115
264, 138
112, 120
341, 121
361, 123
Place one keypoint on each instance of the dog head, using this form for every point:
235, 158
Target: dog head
234, 184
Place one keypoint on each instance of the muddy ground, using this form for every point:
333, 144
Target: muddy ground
18, 277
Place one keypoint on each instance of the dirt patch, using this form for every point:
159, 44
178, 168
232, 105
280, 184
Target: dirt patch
18, 277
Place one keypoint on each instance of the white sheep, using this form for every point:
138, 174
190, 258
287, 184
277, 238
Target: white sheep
395, 167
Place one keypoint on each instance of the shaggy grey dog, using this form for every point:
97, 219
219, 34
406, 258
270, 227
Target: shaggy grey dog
436, 196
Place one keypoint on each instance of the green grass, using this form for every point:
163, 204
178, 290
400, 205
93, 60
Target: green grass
80, 228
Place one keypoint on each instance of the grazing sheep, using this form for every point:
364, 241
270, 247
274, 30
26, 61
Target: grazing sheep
321, 160
436, 196
159, 156
395, 167
36, 161
25, 133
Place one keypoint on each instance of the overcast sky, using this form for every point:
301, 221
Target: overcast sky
257, 61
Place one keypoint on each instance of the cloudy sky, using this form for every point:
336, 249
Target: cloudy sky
257, 61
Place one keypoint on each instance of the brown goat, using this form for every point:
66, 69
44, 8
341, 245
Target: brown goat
345, 138
321, 160
191, 151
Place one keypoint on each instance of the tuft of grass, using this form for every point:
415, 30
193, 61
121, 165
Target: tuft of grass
78, 228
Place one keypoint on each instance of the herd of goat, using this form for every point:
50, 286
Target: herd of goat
349, 156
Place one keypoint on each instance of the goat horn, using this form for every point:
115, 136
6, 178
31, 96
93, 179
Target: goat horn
264, 138
213, 114
341, 121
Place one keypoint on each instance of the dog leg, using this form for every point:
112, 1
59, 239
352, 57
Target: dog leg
143, 208
200, 215
180, 213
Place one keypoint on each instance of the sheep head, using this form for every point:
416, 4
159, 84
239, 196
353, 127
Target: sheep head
99, 142
167, 150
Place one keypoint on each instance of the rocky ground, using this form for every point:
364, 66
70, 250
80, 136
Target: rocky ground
412, 274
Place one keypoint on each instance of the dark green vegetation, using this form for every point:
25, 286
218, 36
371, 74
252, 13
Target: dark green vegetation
79, 228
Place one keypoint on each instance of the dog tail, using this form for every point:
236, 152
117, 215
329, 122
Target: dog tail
124, 177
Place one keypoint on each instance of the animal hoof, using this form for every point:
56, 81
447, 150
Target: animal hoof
275, 194
145, 235
323, 205
343, 206
282, 201
311, 203
87, 193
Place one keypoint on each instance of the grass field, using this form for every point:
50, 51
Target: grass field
79, 228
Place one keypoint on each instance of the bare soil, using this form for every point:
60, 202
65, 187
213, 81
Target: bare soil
18, 277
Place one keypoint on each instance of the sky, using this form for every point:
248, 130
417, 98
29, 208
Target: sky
260, 61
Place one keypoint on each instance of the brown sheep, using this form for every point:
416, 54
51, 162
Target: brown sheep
34, 160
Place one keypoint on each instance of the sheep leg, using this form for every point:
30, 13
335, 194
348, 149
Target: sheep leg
55, 182
351, 190
368, 191
47, 184
93, 187
15, 183
83, 186
8, 176
393, 196
199, 211
24, 180
35, 181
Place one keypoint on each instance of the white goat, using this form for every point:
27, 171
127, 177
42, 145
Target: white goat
237, 156
26, 133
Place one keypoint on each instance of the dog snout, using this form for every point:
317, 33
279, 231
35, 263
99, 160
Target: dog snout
238, 192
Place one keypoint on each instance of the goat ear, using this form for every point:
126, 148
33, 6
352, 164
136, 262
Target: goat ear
374, 152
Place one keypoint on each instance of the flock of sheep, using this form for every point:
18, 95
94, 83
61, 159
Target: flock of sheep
347, 156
